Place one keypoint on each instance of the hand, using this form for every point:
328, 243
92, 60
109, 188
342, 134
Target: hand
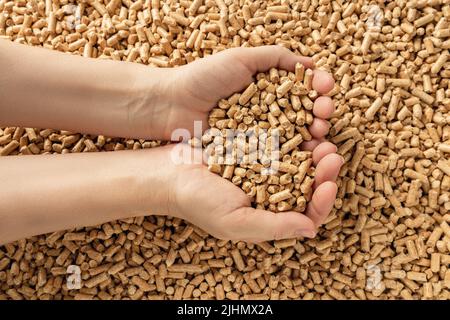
223, 209
202, 83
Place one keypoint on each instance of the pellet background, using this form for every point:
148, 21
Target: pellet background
392, 125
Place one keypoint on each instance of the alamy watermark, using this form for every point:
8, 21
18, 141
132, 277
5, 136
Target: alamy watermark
374, 277
73, 15
73, 277
375, 17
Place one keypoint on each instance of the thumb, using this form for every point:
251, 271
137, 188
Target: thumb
257, 225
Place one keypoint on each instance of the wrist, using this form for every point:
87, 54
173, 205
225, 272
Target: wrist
153, 174
149, 111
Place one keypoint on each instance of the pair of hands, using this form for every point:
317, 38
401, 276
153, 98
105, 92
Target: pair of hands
131, 100
213, 203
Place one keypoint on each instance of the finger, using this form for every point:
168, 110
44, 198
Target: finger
323, 82
259, 225
322, 150
322, 202
323, 107
319, 128
260, 59
328, 169
310, 145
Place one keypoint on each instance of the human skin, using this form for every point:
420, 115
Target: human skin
41, 194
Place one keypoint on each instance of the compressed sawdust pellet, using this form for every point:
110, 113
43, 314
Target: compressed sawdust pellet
387, 236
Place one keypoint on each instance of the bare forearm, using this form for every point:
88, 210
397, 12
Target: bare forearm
40, 194
48, 89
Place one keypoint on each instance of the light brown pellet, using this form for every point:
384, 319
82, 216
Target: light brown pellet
391, 125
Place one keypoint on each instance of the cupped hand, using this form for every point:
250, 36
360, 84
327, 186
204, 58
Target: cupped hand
223, 209
202, 83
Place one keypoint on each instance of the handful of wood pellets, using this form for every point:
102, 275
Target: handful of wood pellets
260, 131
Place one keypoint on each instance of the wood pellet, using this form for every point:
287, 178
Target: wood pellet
388, 235
269, 113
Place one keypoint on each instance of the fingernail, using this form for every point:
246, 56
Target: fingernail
308, 233
342, 159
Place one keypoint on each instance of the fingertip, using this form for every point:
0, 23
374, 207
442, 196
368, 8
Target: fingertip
328, 188
328, 168
319, 128
322, 202
310, 145
323, 107
323, 82
326, 195
322, 150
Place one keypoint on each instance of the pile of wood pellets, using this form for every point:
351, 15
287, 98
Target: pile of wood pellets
256, 144
388, 235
